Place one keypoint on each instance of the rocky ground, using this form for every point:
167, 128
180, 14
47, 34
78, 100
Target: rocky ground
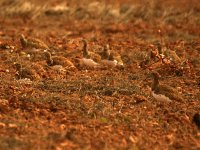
56, 107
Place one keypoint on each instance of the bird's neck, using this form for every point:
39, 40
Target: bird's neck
85, 51
19, 70
111, 57
155, 83
159, 47
49, 60
23, 41
107, 53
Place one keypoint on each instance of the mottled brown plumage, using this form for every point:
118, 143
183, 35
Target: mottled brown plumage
32, 43
58, 60
88, 54
166, 53
115, 56
172, 56
106, 58
165, 90
26, 72
105, 53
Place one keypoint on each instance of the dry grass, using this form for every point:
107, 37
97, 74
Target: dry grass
151, 11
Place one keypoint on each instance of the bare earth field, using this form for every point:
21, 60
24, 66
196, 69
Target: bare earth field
57, 108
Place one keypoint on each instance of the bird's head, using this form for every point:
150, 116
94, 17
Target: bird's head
22, 36
23, 40
85, 42
18, 66
48, 58
85, 49
107, 48
155, 75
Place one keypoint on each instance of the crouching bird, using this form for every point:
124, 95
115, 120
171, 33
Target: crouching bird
163, 92
32, 43
58, 60
26, 72
107, 58
111, 58
90, 59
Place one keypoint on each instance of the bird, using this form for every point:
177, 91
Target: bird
105, 53
106, 57
88, 54
163, 92
167, 53
172, 56
58, 60
111, 56
32, 43
158, 46
196, 119
90, 59
114, 56
26, 72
